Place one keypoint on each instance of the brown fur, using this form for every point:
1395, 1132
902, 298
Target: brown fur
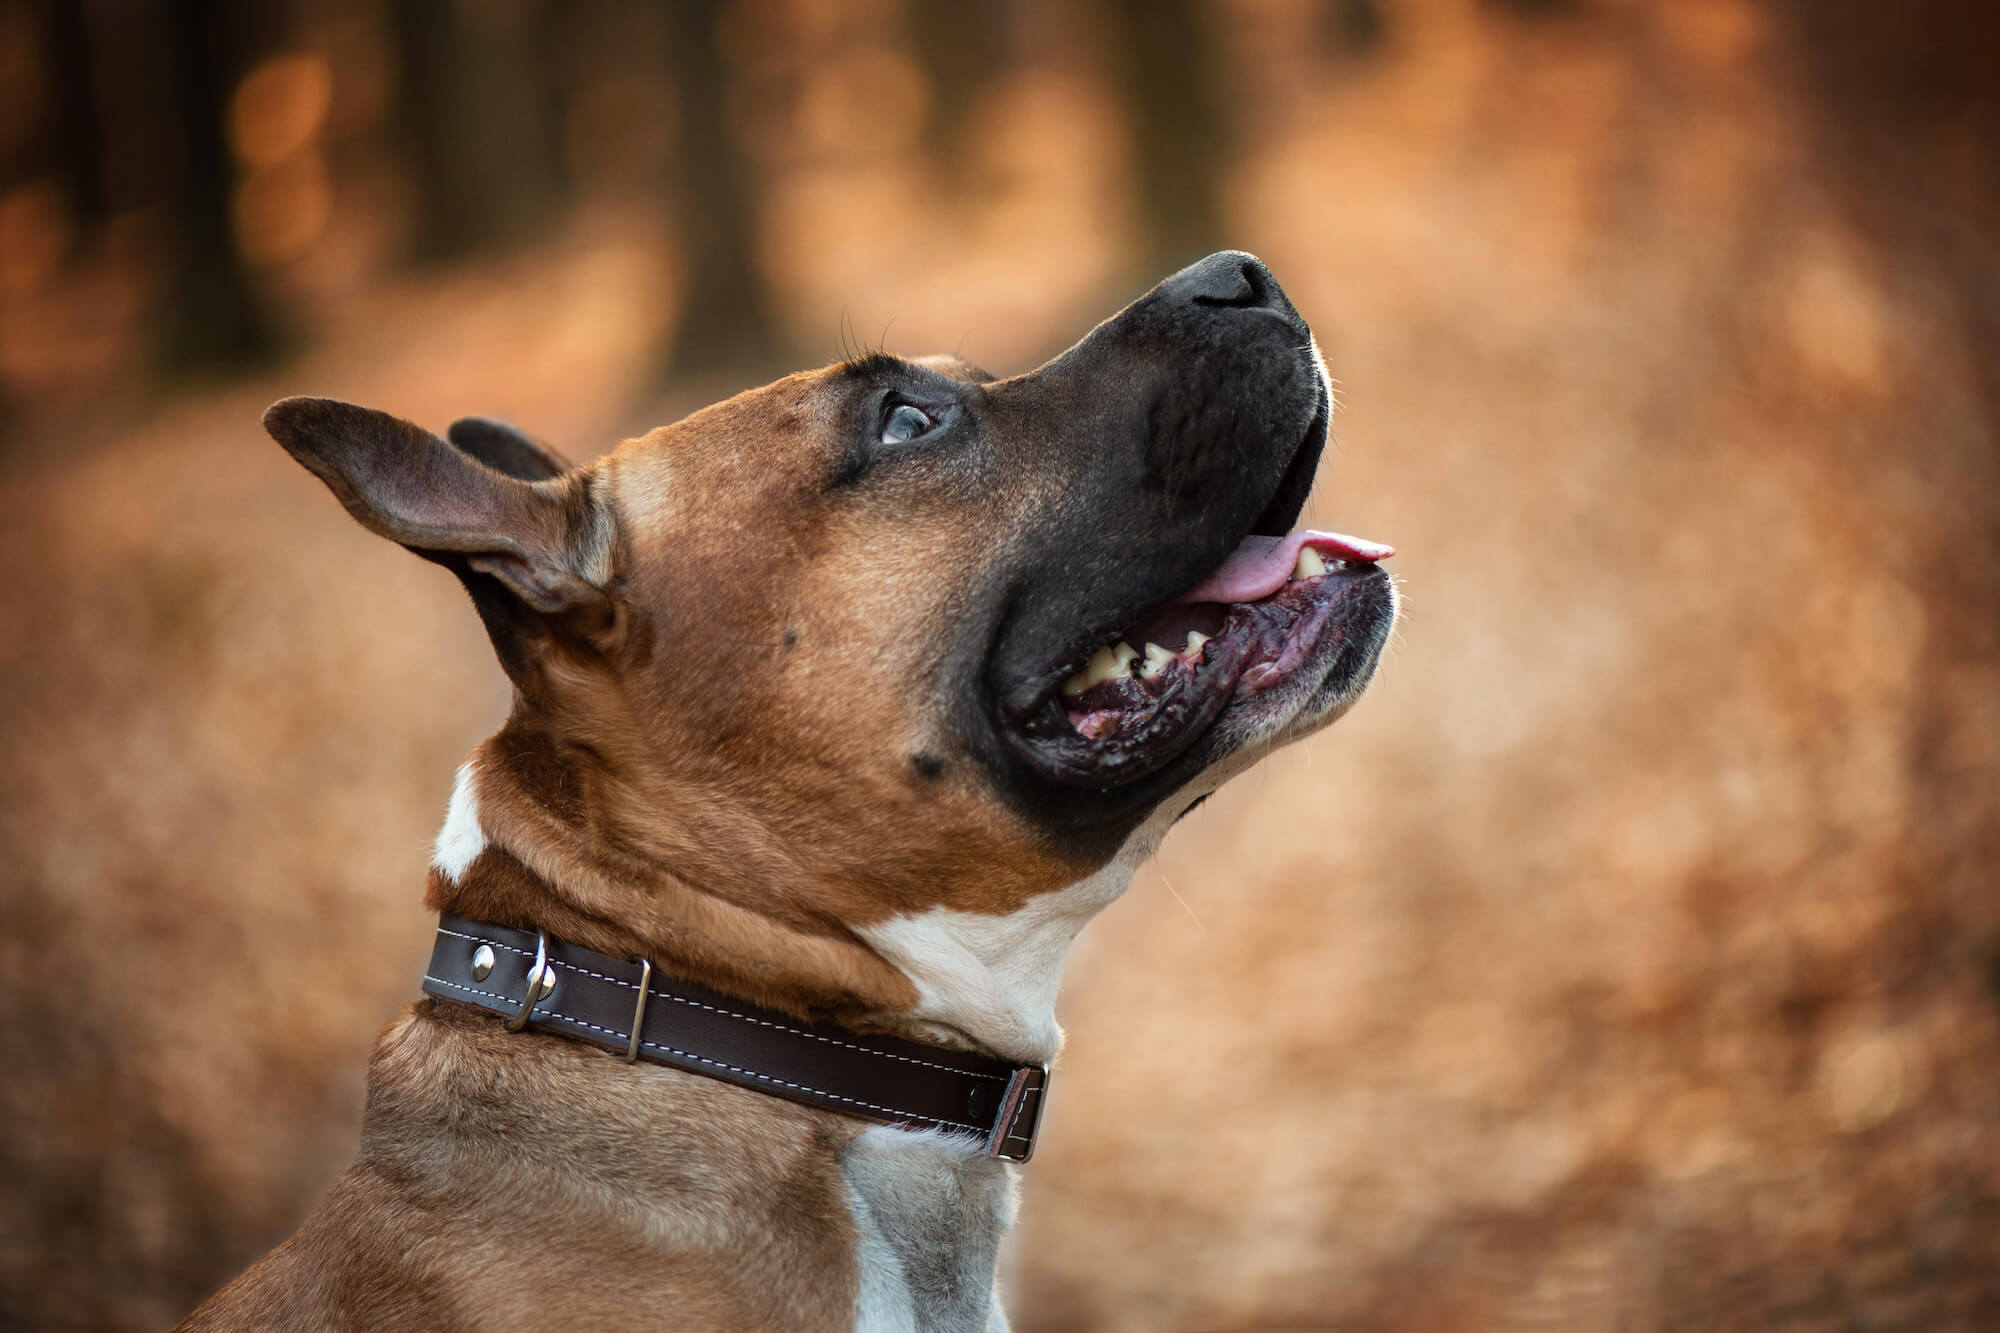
496, 1187
703, 781
694, 772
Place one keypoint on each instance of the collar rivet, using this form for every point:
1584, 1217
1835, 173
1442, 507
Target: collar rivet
482, 962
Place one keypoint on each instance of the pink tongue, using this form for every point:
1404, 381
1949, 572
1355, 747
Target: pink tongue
1260, 566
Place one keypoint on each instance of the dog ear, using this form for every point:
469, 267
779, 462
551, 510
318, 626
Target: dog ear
405, 483
505, 449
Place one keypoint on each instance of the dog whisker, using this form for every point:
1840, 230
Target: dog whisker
1182, 901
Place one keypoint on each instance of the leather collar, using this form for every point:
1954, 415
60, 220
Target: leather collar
642, 1014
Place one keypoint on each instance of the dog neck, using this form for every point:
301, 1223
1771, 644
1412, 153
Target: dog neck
902, 1226
992, 980
984, 982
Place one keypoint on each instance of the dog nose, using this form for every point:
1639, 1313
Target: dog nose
1229, 278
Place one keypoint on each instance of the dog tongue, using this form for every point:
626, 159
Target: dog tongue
1261, 565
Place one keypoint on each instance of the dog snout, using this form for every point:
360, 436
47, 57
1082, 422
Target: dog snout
1232, 279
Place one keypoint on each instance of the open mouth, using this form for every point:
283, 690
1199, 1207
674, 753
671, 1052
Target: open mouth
1272, 614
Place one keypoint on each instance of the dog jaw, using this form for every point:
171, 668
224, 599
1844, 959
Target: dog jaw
990, 981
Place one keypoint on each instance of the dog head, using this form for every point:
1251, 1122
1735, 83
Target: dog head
896, 636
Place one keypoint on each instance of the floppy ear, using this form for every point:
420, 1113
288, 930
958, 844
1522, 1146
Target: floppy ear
405, 483
505, 449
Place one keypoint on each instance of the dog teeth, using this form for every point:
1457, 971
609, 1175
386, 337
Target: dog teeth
1157, 659
1106, 664
1310, 565
1195, 640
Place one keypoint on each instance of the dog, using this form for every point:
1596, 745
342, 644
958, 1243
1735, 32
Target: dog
840, 707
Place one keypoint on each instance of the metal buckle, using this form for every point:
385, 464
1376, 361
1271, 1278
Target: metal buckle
639, 1011
541, 982
1026, 1082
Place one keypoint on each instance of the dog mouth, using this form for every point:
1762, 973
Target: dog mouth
1275, 613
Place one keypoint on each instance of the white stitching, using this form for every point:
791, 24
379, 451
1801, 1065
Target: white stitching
547, 1014
731, 1013
470, 990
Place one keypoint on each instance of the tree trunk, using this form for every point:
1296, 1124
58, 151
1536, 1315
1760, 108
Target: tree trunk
213, 319
473, 116
726, 322
1179, 140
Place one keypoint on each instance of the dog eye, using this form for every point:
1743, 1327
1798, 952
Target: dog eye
906, 423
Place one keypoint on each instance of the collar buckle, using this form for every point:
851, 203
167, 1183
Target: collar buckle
1012, 1138
541, 982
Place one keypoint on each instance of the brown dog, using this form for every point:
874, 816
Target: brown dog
824, 702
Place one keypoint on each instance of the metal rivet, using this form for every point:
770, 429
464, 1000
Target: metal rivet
547, 986
482, 962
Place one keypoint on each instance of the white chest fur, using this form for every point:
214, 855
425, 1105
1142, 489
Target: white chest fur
930, 1209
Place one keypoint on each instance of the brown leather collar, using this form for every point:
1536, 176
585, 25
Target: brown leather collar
645, 1015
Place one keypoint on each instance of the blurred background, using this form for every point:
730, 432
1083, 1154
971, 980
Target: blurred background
1628, 960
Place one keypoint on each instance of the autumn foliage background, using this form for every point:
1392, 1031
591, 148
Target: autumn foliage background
1629, 960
